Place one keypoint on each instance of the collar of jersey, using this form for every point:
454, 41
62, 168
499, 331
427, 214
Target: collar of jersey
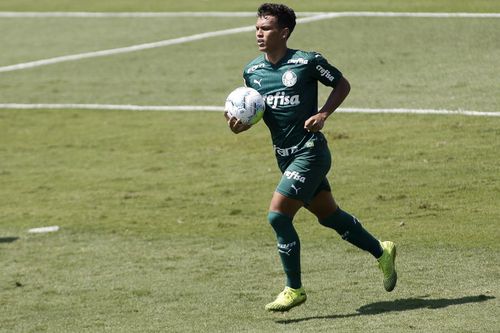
288, 55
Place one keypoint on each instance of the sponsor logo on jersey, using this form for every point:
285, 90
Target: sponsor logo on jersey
298, 61
285, 151
280, 99
294, 175
289, 78
325, 72
255, 67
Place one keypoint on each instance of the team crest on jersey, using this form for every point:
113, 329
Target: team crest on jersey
289, 78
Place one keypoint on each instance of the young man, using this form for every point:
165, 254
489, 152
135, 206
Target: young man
288, 80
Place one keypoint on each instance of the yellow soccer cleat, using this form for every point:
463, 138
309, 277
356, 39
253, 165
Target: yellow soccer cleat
288, 299
387, 265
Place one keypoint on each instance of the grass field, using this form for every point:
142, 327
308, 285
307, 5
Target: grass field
162, 215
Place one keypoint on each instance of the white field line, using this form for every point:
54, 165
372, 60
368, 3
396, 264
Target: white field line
235, 14
145, 46
18, 106
127, 49
42, 230
201, 36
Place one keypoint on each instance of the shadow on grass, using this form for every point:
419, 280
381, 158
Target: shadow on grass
8, 239
398, 306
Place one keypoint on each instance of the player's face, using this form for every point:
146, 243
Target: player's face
269, 35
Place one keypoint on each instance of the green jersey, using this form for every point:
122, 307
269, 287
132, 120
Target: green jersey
290, 90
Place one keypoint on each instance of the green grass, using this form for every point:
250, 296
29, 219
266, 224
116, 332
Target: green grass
151, 239
418, 63
231, 5
163, 215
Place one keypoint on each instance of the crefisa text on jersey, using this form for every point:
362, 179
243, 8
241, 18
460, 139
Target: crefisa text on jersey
295, 175
325, 72
298, 61
281, 99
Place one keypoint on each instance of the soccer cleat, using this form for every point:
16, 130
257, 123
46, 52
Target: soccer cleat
288, 299
387, 265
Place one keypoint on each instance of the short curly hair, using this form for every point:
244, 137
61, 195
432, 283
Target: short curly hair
285, 15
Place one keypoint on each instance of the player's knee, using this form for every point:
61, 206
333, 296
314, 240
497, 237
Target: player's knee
326, 223
276, 220
332, 221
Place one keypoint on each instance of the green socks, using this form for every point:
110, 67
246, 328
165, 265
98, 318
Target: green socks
352, 231
288, 247
345, 224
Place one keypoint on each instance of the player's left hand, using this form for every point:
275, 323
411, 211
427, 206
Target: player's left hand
315, 123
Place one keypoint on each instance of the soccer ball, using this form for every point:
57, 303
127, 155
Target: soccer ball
246, 104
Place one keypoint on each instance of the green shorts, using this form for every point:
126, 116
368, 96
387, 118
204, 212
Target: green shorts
304, 173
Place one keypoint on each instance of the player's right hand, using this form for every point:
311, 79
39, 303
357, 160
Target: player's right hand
235, 124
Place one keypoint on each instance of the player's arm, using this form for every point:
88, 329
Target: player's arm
336, 97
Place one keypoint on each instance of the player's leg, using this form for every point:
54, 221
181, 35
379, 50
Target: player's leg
300, 179
350, 229
281, 212
330, 215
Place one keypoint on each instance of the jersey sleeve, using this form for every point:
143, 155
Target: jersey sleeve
324, 72
245, 78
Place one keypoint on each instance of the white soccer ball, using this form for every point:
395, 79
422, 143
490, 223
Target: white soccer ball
246, 104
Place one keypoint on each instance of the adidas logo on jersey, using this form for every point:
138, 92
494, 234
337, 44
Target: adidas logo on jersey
280, 99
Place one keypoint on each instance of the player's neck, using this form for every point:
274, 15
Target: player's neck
276, 55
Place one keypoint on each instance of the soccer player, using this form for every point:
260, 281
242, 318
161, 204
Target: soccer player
288, 80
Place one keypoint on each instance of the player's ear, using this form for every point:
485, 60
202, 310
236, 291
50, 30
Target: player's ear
285, 33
